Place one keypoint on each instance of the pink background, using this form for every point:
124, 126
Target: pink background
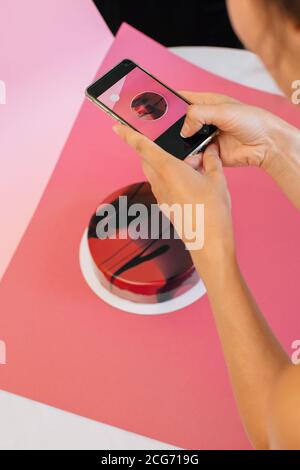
137, 82
163, 377
49, 51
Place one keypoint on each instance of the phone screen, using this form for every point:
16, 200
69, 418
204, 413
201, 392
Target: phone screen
149, 106
144, 103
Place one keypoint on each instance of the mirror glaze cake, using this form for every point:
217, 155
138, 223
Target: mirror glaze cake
133, 257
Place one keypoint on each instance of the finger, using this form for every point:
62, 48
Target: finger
206, 98
199, 115
151, 175
151, 152
211, 160
194, 161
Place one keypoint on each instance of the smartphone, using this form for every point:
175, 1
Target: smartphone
136, 98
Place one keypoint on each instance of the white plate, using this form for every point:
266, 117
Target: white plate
182, 301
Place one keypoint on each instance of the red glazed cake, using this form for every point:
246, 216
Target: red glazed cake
148, 270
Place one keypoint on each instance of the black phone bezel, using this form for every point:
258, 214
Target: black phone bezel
171, 141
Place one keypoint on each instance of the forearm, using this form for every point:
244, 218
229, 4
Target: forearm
283, 161
253, 355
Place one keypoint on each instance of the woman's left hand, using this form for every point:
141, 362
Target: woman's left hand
175, 182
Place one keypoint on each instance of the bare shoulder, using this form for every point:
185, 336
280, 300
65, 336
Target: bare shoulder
284, 422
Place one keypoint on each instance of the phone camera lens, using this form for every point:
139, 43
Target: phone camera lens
205, 130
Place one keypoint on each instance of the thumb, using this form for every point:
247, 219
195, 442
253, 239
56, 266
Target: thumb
212, 114
211, 160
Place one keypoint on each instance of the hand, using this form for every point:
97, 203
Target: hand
174, 182
247, 134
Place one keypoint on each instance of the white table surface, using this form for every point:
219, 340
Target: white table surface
25, 424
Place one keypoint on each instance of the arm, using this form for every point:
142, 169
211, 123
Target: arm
282, 163
258, 367
284, 416
254, 358
264, 382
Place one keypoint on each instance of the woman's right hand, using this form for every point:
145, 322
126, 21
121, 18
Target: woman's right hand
247, 134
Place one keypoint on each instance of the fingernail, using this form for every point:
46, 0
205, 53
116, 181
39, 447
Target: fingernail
116, 129
185, 130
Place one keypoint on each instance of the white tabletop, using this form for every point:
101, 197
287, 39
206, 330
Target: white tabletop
240, 66
25, 424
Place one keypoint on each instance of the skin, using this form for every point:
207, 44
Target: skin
265, 383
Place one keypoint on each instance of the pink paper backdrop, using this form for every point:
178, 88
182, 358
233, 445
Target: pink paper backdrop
49, 51
162, 376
